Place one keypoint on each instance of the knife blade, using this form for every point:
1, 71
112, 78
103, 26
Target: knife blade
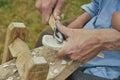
57, 35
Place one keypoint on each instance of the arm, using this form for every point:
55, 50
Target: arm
84, 44
80, 21
116, 20
47, 7
112, 42
90, 9
110, 39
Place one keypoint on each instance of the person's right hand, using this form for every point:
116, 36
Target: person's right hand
47, 7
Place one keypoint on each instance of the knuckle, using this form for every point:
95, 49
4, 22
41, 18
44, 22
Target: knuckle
73, 58
62, 1
38, 5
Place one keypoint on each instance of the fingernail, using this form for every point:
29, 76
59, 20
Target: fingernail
58, 17
58, 23
45, 19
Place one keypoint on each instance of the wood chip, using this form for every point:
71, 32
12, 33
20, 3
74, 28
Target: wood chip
64, 62
12, 64
14, 70
55, 71
33, 53
39, 60
52, 63
18, 78
4, 66
51, 73
101, 55
10, 78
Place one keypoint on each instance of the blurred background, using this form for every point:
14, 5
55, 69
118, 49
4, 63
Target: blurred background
25, 11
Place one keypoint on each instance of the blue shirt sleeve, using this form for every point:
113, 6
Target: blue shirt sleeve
91, 8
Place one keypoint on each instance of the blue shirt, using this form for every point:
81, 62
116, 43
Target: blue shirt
101, 13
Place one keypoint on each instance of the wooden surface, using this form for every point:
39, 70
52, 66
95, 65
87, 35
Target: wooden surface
29, 67
18, 47
14, 31
33, 65
57, 71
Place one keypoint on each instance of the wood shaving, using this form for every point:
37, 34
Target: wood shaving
18, 78
64, 62
4, 66
12, 64
51, 73
52, 63
50, 42
14, 70
10, 78
55, 71
33, 53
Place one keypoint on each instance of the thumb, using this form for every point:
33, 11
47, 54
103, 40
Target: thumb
62, 28
46, 15
57, 9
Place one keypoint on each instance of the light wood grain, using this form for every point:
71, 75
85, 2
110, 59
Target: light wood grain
6, 70
52, 22
18, 47
14, 31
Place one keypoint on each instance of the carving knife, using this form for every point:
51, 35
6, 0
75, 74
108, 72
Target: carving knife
57, 35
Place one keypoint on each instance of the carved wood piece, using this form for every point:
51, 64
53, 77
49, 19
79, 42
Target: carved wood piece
29, 67
14, 31
18, 47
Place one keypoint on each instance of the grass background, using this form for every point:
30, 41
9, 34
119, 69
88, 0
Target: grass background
25, 11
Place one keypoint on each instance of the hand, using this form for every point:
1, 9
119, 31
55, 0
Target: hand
47, 7
82, 44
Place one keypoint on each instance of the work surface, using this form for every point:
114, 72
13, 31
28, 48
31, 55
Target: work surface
59, 69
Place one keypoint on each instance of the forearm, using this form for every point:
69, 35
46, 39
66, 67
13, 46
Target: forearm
80, 21
109, 39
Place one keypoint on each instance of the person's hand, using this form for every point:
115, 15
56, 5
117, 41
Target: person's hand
82, 44
47, 7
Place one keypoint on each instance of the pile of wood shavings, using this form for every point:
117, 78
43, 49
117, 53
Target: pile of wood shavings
56, 64
8, 71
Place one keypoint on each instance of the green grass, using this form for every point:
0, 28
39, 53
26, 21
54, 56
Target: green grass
24, 11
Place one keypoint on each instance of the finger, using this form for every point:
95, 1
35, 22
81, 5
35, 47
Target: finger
65, 50
61, 53
47, 9
62, 29
89, 56
75, 56
38, 5
72, 57
57, 10
46, 15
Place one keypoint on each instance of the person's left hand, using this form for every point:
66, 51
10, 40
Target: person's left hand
82, 44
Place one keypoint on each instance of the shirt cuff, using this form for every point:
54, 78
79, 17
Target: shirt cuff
89, 9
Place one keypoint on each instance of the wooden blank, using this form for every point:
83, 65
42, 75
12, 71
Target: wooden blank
16, 49
15, 30
57, 70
